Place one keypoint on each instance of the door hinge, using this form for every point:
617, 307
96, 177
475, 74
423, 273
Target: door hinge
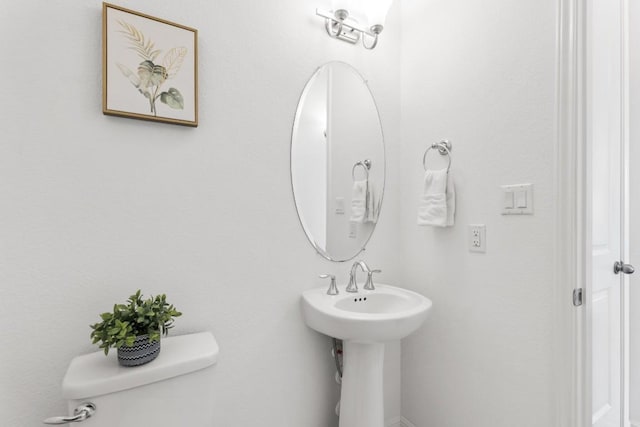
577, 297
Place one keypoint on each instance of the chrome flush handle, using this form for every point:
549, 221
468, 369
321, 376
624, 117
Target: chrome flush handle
81, 413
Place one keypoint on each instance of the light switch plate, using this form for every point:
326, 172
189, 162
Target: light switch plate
517, 199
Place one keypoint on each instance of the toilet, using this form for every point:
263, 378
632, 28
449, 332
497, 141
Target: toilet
176, 389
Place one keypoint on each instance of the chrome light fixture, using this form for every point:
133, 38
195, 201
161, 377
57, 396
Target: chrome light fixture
342, 24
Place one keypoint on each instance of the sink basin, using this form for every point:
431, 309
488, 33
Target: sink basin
364, 321
385, 314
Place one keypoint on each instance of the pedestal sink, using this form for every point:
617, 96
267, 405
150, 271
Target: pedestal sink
364, 321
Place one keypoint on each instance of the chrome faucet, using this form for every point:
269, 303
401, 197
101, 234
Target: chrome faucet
353, 283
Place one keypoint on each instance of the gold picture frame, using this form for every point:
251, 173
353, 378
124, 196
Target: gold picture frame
149, 67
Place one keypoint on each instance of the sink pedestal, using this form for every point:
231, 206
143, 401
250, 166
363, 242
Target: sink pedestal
364, 322
362, 401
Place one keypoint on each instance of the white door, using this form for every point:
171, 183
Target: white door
605, 134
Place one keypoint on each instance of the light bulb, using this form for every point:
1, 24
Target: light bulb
341, 4
377, 11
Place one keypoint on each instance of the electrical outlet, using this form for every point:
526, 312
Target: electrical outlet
477, 238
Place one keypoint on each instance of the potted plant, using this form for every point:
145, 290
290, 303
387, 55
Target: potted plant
135, 328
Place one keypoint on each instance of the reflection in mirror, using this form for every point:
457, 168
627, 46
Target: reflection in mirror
337, 161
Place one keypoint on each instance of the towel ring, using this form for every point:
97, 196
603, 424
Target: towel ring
366, 164
444, 147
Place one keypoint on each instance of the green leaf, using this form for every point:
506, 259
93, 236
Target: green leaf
151, 74
153, 316
173, 98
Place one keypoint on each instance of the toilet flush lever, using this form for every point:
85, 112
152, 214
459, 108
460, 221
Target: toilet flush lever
81, 413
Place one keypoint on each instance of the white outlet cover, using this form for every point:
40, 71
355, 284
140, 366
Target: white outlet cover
477, 236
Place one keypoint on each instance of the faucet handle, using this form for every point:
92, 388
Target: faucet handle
333, 289
369, 285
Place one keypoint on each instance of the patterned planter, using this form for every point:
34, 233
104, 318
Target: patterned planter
142, 351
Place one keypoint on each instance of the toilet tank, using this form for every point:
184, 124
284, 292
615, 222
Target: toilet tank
176, 389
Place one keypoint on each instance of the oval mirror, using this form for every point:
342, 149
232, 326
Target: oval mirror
337, 161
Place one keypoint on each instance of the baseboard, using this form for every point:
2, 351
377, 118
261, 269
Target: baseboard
401, 422
394, 422
406, 423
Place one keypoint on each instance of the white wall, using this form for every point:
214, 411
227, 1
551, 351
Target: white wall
94, 207
480, 73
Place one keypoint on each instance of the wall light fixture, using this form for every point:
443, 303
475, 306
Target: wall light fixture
344, 23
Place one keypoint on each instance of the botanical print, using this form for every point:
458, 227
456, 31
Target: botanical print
150, 76
149, 68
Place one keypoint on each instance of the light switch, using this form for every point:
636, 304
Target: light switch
517, 199
521, 198
339, 206
353, 230
508, 200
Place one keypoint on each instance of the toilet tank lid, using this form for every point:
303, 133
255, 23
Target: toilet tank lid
94, 374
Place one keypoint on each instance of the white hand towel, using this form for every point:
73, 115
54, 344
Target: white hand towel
372, 204
437, 203
359, 201
451, 200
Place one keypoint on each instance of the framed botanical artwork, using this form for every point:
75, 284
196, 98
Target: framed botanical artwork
150, 67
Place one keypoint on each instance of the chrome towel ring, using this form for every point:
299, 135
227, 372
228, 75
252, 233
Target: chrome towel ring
366, 165
444, 148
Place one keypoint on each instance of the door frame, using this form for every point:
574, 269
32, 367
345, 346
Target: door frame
572, 233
